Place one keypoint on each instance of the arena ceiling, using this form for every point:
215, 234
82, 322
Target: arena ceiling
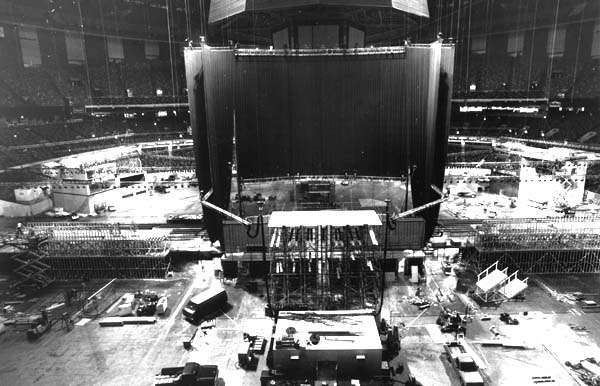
383, 21
223, 9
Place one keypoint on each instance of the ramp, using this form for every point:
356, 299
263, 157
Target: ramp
513, 286
489, 281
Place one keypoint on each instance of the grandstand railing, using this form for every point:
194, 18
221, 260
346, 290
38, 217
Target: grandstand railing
485, 139
167, 100
570, 145
55, 152
505, 95
95, 139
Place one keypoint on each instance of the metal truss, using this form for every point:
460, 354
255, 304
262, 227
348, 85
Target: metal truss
91, 250
324, 268
560, 233
564, 245
542, 261
32, 267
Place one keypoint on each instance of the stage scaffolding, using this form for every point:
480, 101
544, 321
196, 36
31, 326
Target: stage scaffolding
324, 268
93, 251
553, 245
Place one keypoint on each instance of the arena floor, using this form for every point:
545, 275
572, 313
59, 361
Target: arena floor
131, 355
348, 195
150, 207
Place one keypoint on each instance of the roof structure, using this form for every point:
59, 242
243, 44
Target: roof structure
223, 9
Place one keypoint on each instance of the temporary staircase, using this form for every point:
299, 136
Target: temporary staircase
32, 270
489, 281
512, 286
495, 285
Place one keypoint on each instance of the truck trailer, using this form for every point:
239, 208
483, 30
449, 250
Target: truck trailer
206, 304
192, 374
465, 365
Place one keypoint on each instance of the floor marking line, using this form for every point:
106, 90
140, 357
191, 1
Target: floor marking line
167, 328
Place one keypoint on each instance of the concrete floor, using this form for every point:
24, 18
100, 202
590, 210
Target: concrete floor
492, 205
545, 330
150, 207
346, 196
131, 355
154, 207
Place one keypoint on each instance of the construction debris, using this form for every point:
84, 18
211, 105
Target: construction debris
116, 321
146, 303
587, 370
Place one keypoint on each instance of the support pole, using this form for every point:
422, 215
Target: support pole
264, 256
387, 227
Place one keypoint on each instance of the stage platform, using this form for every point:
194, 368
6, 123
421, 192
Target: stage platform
257, 256
315, 218
304, 340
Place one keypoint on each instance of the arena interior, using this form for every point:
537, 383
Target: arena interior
317, 192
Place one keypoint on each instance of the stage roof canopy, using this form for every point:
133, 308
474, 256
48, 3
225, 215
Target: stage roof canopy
223, 9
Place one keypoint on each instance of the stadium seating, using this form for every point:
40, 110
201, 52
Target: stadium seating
552, 77
29, 140
51, 86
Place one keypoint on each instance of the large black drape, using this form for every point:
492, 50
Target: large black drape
372, 114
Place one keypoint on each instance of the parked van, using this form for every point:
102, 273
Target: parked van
205, 304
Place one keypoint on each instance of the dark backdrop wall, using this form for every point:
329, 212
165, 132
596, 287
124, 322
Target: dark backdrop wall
374, 114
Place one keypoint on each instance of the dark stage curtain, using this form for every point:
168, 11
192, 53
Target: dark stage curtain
365, 114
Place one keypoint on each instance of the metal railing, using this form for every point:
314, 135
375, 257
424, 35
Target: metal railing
332, 177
